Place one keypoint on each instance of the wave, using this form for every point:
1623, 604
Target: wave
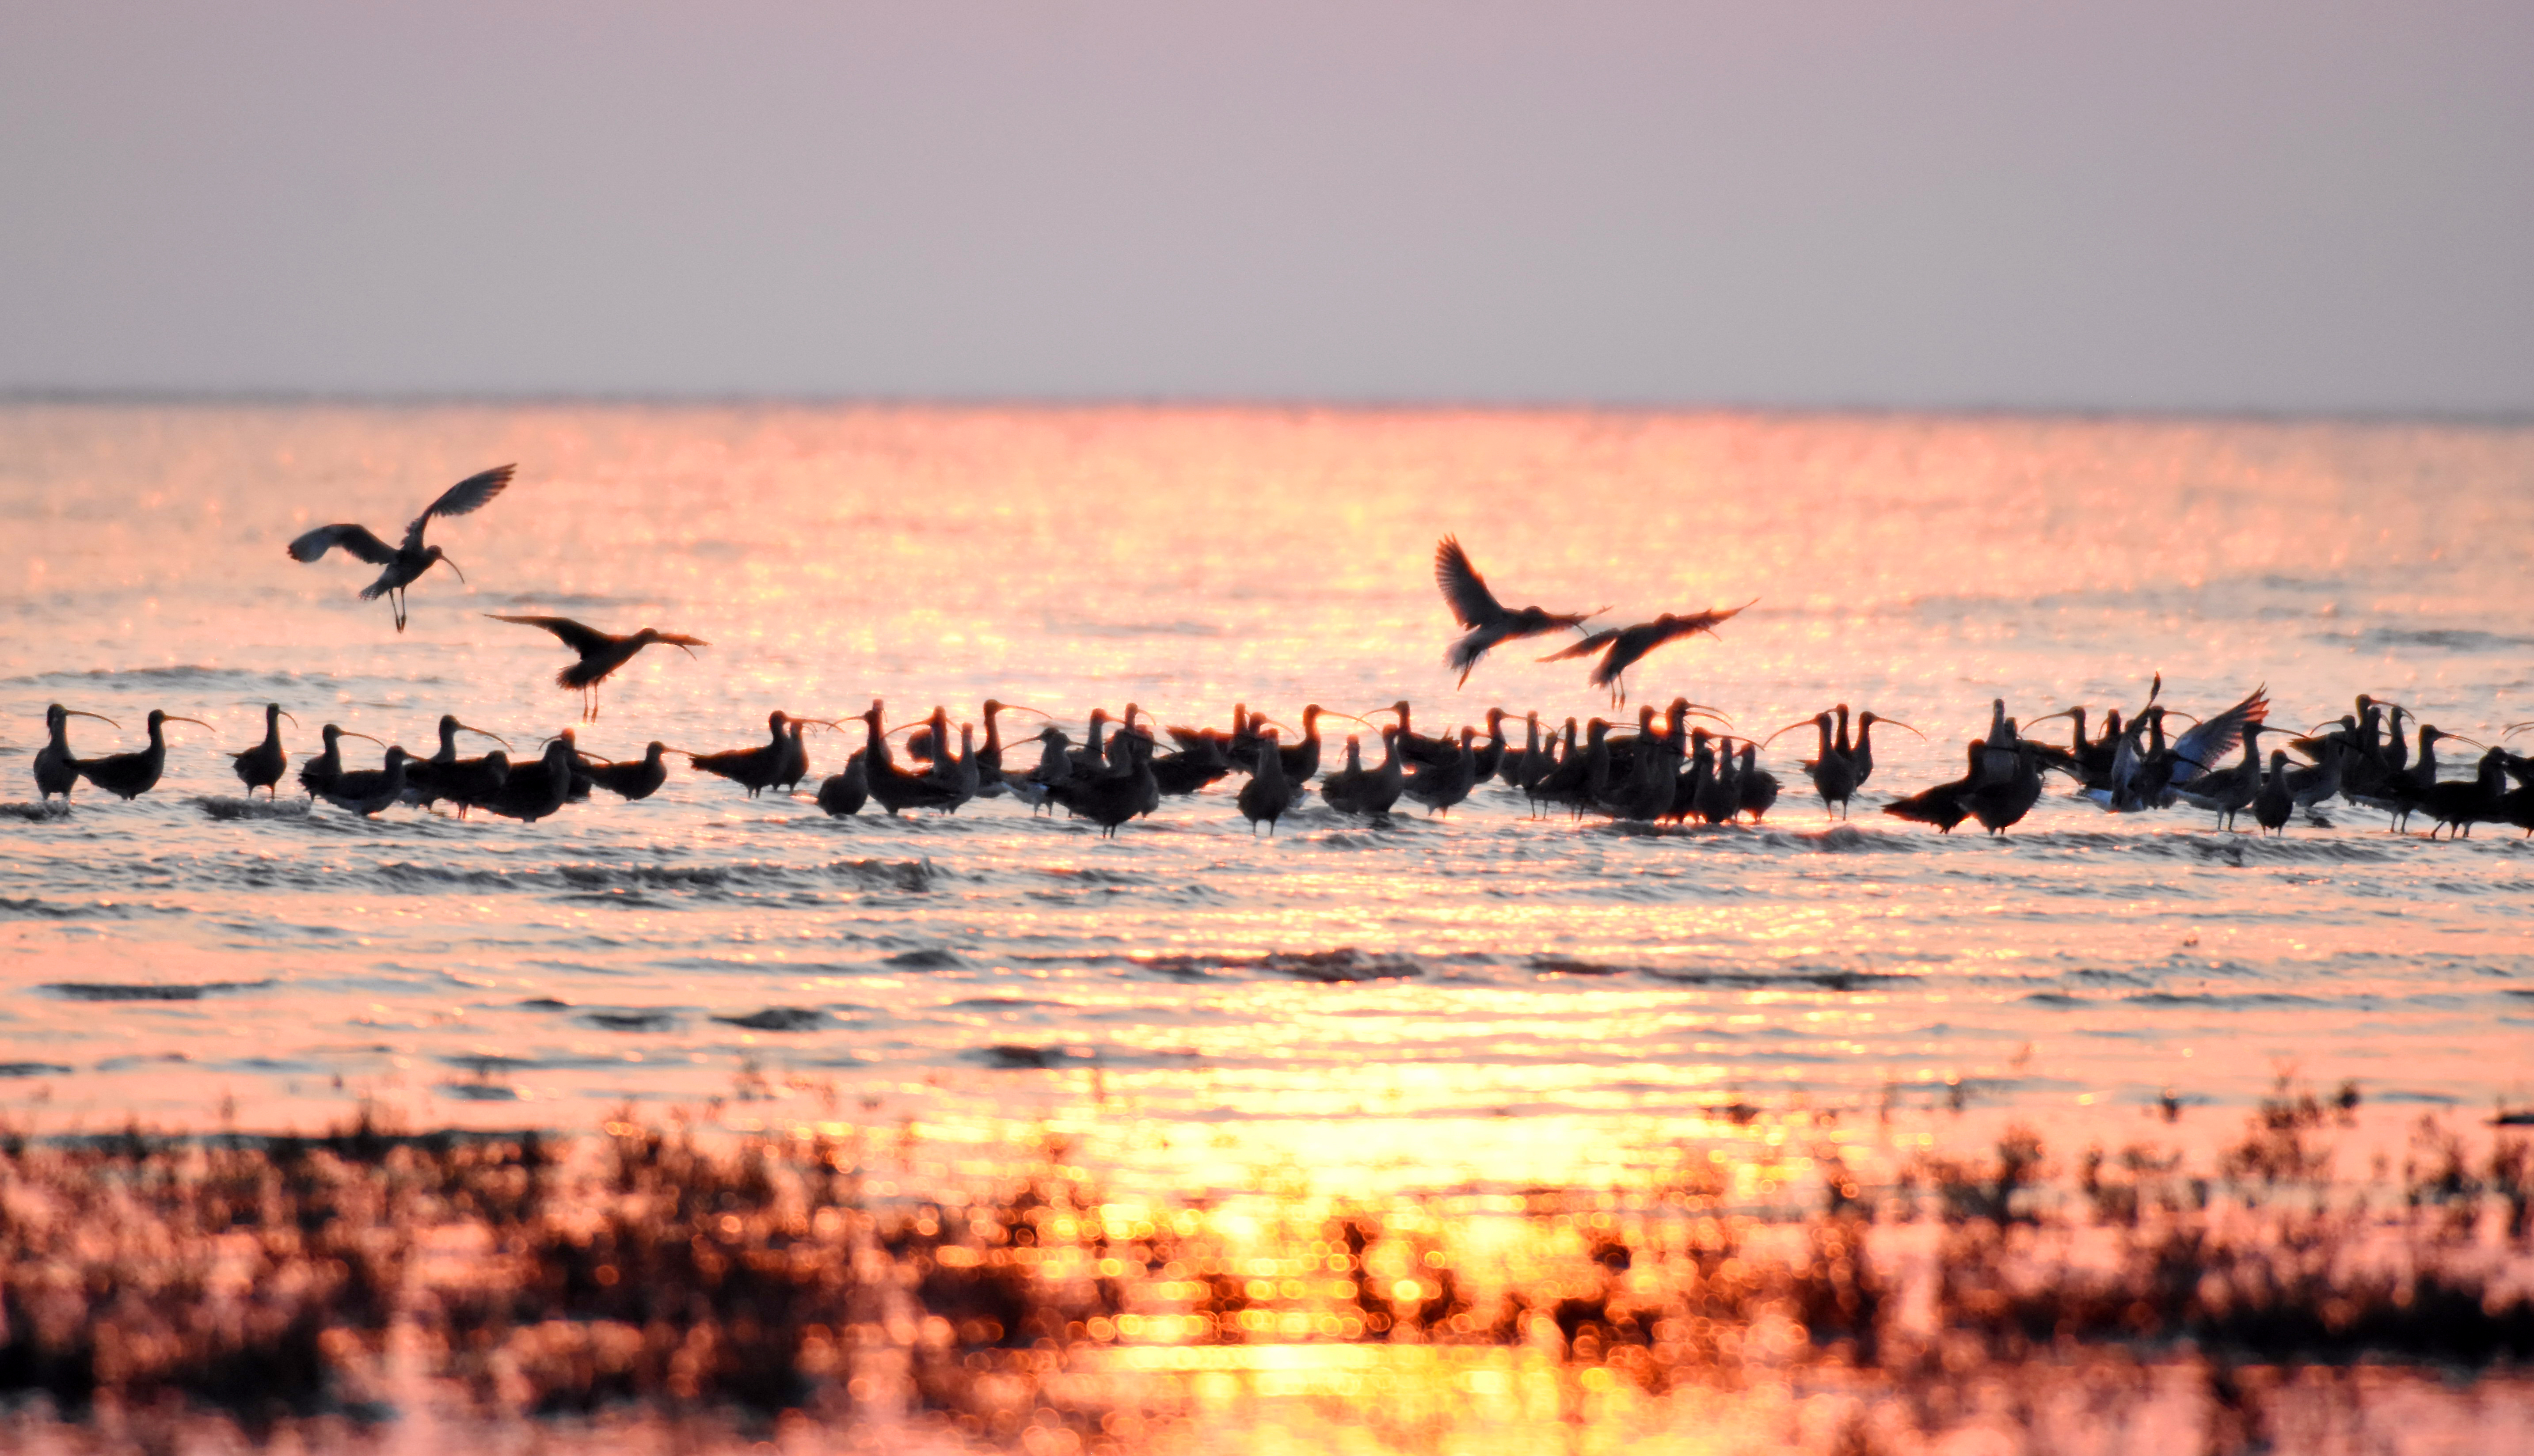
232, 807
778, 1018
148, 991
1344, 965
33, 1069
44, 812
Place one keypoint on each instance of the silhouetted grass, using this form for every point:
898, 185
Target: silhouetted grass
256, 1281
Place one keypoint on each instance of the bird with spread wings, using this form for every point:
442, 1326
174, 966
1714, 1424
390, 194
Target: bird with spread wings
1488, 621
404, 563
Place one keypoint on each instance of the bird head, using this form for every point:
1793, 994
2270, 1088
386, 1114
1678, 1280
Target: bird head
432, 553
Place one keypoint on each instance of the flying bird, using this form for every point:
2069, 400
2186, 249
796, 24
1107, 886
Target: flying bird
601, 652
404, 563
1627, 644
1490, 621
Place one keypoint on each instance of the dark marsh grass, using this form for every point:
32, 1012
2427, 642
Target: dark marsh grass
154, 1289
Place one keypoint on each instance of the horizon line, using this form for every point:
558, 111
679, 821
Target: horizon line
268, 397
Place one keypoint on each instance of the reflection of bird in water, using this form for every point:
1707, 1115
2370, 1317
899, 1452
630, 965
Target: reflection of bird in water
1490, 621
57, 770
132, 774
601, 652
406, 561
262, 766
1623, 647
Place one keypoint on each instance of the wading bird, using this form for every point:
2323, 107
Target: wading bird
1947, 803
366, 791
463, 782
56, 770
533, 791
318, 774
842, 795
132, 774
1265, 798
637, 779
408, 561
260, 766
601, 652
1622, 648
754, 769
1489, 622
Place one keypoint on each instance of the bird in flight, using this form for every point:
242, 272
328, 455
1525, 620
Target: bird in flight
601, 652
1488, 621
1626, 644
408, 561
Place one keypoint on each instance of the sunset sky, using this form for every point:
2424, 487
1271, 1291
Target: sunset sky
2259, 206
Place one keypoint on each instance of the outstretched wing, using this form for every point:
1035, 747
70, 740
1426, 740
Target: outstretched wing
2212, 740
467, 495
1585, 648
356, 540
1682, 624
1465, 591
582, 640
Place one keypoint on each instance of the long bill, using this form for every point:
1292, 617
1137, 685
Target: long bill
81, 712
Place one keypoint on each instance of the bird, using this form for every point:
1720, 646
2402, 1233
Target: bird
1488, 620
318, 774
754, 769
1265, 798
1834, 773
1947, 803
57, 770
893, 788
367, 791
637, 779
132, 774
533, 791
445, 775
260, 766
1999, 803
1120, 790
1759, 785
842, 795
1863, 753
601, 652
2458, 805
1622, 648
404, 563
1438, 788
2276, 799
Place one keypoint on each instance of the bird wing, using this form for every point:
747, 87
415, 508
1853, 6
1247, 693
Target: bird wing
1585, 648
356, 540
582, 640
467, 495
2214, 738
1684, 624
1465, 591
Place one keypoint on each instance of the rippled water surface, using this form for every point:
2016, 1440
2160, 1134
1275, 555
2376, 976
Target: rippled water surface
1491, 997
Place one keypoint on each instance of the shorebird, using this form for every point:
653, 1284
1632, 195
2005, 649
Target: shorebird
318, 774
754, 769
132, 774
638, 778
1834, 773
1759, 785
533, 791
366, 791
1622, 648
1863, 755
1490, 621
56, 770
601, 652
1947, 803
842, 795
260, 766
408, 561
1438, 788
445, 775
2276, 799
1118, 792
1265, 798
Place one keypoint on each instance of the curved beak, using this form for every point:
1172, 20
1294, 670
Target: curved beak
294, 722
1711, 714
197, 722
1023, 708
1790, 728
480, 733
1922, 738
348, 733
2512, 729
453, 566
81, 712
2449, 737
2065, 712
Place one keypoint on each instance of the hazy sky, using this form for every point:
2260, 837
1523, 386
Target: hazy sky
2148, 203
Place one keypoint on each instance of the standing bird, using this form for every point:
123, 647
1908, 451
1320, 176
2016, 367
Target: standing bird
1947, 803
366, 791
601, 652
638, 778
1265, 798
1489, 622
56, 770
1439, 788
318, 774
260, 766
754, 769
2276, 799
132, 774
1625, 646
404, 563
842, 795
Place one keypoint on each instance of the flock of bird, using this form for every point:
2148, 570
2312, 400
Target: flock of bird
1669, 769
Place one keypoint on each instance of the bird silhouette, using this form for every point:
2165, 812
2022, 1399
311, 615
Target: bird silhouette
1623, 647
57, 768
601, 652
260, 766
1488, 620
404, 563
